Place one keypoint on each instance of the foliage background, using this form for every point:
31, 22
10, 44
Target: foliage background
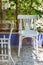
20, 7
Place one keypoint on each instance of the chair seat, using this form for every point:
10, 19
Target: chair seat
27, 33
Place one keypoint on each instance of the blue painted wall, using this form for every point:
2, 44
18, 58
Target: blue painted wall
14, 38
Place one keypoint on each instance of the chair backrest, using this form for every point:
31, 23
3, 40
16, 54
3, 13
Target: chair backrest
11, 26
28, 20
5, 54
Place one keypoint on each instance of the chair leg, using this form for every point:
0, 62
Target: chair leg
9, 62
37, 47
34, 42
20, 43
9, 53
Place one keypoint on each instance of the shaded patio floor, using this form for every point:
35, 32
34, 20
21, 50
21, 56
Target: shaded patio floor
27, 56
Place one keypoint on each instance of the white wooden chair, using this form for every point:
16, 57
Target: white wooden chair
5, 51
28, 20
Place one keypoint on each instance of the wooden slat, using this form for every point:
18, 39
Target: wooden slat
3, 54
4, 61
28, 16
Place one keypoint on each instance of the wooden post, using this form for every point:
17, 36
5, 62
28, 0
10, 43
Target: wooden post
1, 11
16, 15
31, 6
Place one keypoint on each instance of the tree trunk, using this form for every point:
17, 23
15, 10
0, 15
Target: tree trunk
17, 14
1, 11
31, 6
